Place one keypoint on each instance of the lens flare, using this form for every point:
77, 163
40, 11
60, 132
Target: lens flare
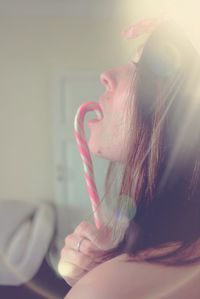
127, 209
186, 14
65, 269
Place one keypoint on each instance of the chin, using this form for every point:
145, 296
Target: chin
94, 149
109, 155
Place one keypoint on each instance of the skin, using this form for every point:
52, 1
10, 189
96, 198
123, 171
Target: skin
74, 264
116, 279
107, 137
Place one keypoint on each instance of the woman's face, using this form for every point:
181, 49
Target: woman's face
107, 136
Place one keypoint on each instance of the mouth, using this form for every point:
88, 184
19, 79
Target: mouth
93, 121
99, 115
101, 107
99, 112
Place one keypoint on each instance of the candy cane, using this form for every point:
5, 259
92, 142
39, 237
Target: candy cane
85, 154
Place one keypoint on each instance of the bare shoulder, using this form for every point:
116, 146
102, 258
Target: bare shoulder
100, 283
118, 279
112, 279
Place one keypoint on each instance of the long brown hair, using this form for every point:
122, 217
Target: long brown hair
161, 175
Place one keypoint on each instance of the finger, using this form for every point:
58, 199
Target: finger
86, 229
98, 237
69, 270
70, 281
78, 259
87, 247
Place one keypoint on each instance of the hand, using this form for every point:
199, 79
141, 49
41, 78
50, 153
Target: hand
75, 264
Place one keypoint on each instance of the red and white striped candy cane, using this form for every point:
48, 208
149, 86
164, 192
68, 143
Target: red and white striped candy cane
85, 154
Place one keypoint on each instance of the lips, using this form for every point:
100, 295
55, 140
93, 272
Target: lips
101, 106
93, 121
99, 114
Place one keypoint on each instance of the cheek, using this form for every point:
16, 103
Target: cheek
97, 135
108, 143
120, 120
107, 139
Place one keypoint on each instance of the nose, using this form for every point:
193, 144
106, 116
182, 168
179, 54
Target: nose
107, 79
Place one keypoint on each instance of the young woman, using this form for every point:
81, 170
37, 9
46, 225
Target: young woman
151, 128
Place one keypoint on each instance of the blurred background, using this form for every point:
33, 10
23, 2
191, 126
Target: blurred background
52, 53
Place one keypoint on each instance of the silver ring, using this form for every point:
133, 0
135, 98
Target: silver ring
79, 244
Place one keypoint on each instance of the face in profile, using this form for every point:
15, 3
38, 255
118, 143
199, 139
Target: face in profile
108, 137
